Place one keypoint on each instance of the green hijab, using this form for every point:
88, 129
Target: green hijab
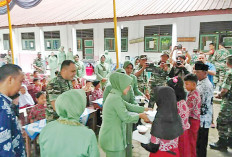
126, 63
120, 70
61, 49
71, 104
120, 81
101, 57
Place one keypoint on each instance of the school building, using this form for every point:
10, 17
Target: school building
144, 27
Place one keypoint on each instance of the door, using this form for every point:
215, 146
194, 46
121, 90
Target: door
88, 48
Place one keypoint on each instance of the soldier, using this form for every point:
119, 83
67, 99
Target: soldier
159, 75
219, 60
141, 74
224, 120
8, 57
61, 56
80, 66
57, 86
194, 57
38, 63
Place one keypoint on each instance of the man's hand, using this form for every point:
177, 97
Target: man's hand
104, 80
147, 109
145, 65
144, 117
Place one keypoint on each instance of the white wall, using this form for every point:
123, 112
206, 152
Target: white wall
186, 27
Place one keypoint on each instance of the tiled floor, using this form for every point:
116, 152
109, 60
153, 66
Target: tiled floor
138, 151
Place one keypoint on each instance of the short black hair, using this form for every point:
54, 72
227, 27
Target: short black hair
39, 94
212, 44
56, 73
181, 56
9, 70
178, 88
222, 44
35, 72
36, 79
191, 77
229, 60
66, 63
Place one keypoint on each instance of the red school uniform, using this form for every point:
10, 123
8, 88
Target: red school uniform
37, 113
194, 104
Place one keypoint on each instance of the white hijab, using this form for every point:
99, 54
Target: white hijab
25, 99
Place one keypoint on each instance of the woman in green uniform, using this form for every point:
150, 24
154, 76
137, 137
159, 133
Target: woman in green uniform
69, 54
128, 66
53, 65
66, 136
61, 56
112, 136
102, 71
80, 66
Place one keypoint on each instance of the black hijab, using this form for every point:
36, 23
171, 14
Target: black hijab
167, 124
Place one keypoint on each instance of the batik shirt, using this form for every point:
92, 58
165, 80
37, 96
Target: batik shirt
37, 113
97, 94
183, 111
194, 104
205, 88
11, 140
165, 145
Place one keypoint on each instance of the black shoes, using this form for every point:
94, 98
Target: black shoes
221, 144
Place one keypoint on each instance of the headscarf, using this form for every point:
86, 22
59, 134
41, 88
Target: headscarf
101, 57
126, 63
60, 49
25, 99
71, 104
120, 81
167, 124
120, 70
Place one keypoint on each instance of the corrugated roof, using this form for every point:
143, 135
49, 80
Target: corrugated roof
57, 11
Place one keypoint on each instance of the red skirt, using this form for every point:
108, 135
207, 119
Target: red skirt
166, 154
183, 145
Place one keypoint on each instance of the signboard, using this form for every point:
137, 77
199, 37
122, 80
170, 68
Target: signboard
138, 40
186, 39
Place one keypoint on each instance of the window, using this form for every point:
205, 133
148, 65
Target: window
6, 41
157, 38
109, 40
83, 34
52, 40
28, 41
215, 32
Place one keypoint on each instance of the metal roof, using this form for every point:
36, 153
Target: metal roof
60, 11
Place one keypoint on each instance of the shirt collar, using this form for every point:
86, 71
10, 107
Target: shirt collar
6, 98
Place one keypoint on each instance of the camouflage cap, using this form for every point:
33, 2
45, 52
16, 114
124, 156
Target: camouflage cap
39, 53
165, 53
143, 57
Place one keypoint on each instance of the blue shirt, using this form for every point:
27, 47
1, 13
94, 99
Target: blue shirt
11, 141
212, 68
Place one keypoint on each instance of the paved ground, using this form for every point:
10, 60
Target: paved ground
138, 151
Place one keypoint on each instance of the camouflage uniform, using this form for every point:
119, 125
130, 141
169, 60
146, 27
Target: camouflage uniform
158, 78
55, 87
8, 59
39, 63
194, 58
219, 60
142, 80
224, 120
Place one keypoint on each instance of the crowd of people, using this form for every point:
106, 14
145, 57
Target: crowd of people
179, 86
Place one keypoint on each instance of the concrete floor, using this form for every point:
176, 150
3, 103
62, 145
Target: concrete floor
138, 151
